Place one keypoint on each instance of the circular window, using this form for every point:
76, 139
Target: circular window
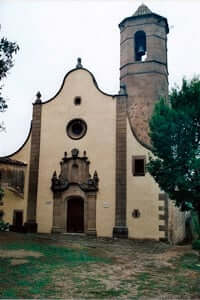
76, 129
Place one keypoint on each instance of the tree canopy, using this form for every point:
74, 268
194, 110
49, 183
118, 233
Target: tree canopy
175, 137
7, 51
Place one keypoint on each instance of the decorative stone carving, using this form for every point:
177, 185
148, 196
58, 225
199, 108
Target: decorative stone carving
73, 184
38, 98
79, 63
75, 153
74, 170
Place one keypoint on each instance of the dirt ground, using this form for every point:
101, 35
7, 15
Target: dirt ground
135, 265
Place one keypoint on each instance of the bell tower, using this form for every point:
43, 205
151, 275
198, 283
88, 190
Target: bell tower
143, 66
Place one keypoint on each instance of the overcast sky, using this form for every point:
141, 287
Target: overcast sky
53, 33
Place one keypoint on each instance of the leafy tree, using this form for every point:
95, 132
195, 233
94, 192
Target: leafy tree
175, 136
7, 50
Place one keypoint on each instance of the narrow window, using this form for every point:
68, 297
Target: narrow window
77, 101
136, 213
140, 45
138, 165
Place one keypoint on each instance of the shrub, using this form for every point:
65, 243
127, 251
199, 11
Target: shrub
195, 226
4, 226
196, 245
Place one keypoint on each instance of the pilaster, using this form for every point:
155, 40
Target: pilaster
31, 225
120, 229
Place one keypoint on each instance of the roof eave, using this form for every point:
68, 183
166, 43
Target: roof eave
142, 16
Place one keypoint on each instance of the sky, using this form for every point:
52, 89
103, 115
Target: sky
52, 34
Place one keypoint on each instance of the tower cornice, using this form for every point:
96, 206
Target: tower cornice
134, 17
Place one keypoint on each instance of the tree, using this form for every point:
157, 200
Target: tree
7, 50
175, 137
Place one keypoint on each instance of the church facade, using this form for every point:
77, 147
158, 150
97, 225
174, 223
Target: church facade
82, 167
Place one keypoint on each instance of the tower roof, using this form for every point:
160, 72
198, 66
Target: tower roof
142, 10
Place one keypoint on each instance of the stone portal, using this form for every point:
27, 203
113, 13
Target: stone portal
74, 193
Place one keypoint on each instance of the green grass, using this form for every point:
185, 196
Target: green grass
78, 270
190, 261
35, 277
172, 280
91, 288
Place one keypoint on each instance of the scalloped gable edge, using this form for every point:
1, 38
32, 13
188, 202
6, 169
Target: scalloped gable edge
52, 98
20, 148
29, 134
63, 82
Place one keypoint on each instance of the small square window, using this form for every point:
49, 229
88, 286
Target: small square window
138, 165
77, 101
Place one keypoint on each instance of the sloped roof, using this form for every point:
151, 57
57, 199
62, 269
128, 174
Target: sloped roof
9, 161
142, 10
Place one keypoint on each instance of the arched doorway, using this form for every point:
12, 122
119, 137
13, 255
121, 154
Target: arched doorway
75, 215
74, 192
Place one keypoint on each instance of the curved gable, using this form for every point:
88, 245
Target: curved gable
70, 73
21, 148
70, 78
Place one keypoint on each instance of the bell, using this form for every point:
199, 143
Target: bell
141, 50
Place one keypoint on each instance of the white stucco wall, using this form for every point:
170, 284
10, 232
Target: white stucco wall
142, 194
99, 112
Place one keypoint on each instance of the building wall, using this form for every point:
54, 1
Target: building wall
99, 112
14, 199
24, 156
142, 194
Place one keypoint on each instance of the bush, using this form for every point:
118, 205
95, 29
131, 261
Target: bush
196, 245
4, 226
195, 226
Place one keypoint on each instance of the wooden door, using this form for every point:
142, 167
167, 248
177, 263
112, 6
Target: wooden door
75, 215
17, 220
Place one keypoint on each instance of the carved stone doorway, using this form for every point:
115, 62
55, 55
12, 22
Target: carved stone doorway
74, 193
75, 215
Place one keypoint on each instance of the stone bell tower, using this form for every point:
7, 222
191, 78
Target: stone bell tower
143, 66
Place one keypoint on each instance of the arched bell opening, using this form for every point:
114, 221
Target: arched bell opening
140, 45
75, 215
